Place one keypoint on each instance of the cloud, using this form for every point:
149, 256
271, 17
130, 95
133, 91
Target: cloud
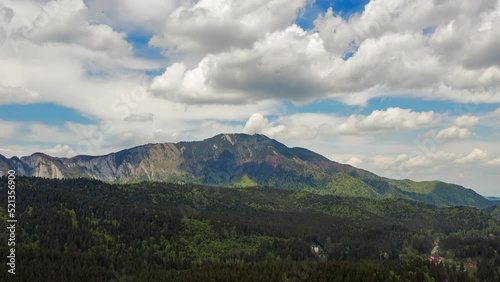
393, 119
497, 113
6, 14
286, 64
256, 124
494, 162
467, 121
143, 117
60, 151
298, 126
385, 162
355, 161
453, 133
307, 126
476, 156
213, 26
65, 22
456, 61
17, 95
405, 165
8, 130
134, 15
461, 129
61, 57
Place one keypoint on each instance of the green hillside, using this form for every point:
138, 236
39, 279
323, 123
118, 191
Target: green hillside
240, 160
163, 232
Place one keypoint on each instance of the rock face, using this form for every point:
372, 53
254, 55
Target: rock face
239, 160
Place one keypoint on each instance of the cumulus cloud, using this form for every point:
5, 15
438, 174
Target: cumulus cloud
312, 125
408, 163
461, 129
17, 95
212, 26
453, 133
66, 22
60, 151
467, 121
288, 64
476, 156
256, 124
142, 117
392, 119
6, 14
299, 126
355, 161
392, 55
8, 129
134, 15
494, 162
57, 55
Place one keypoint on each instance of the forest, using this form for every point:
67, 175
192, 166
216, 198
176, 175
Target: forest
88, 230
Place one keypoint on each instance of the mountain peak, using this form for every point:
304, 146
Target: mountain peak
239, 160
232, 137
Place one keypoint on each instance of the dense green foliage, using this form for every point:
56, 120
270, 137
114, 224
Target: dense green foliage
86, 230
494, 212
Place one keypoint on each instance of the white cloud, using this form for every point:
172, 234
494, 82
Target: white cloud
8, 129
467, 121
212, 26
256, 124
476, 156
441, 156
402, 161
288, 64
309, 126
60, 151
395, 57
494, 162
142, 117
461, 129
381, 17
134, 15
393, 119
453, 133
298, 126
355, 161
385, 162
66, 22
496, 113
17, 95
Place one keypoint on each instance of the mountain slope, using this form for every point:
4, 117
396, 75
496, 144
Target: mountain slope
151, 231
241, 160
494, 200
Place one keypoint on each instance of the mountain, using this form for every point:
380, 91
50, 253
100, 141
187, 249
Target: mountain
494, 200
240, 160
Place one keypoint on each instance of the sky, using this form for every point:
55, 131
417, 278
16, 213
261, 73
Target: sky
406, 89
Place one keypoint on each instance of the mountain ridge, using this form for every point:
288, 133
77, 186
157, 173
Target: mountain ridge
239, 160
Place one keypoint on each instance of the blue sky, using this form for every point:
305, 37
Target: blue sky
102, 76
48, 113
343, 7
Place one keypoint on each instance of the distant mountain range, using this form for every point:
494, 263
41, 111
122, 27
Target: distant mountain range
240, 160
494, 200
